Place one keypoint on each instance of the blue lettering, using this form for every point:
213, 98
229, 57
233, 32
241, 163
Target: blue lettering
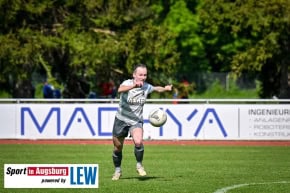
79, 115
81, 110
39, 127
192, 114
83, 175
100, 111
170, 114
90, 175
79, 175
72, 176
210, 110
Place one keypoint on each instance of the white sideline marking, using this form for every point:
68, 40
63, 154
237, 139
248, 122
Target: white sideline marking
225, 189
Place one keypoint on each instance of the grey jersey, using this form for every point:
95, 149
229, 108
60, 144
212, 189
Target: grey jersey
132, 102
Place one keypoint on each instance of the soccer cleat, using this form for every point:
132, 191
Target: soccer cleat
116, 175
141, 171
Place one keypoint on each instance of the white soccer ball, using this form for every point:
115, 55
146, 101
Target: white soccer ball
157, 117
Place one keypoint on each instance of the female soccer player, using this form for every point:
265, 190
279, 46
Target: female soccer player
129, 117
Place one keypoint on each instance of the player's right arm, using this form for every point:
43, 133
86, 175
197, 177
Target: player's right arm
126, 87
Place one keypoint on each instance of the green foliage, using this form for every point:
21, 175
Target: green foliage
219, 91
182, 20
38, 90
154, 46
4, 94
87, 38
104, 39
171, 169
261, 29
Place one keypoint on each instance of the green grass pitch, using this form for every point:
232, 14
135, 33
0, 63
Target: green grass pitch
170, 168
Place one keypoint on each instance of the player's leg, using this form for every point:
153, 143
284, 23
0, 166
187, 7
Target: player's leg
117, 156
137, 135
120, 131
117, 151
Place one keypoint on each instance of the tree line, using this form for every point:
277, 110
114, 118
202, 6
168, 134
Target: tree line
68, 41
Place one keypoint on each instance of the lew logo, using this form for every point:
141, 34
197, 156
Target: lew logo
83, 175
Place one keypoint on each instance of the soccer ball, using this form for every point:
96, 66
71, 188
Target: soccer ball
157, 117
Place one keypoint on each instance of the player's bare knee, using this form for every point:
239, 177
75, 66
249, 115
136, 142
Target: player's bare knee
138, 141
139, 144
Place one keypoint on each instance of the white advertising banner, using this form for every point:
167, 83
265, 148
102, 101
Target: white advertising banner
265, 122
8, 120
51, 176
184, 121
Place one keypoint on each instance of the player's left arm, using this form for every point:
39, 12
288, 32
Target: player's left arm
162, 88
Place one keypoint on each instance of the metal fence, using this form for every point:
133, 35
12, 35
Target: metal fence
179, 101
204, 80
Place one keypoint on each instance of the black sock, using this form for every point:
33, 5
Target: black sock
117, 158
139, 152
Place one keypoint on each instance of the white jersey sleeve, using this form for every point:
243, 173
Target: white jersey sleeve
132, 102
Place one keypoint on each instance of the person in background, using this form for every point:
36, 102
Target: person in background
175, 95
57, 93
129, 117
109, 89
48, 90
184, 88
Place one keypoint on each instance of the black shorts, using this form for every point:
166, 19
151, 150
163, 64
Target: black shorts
122, 129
